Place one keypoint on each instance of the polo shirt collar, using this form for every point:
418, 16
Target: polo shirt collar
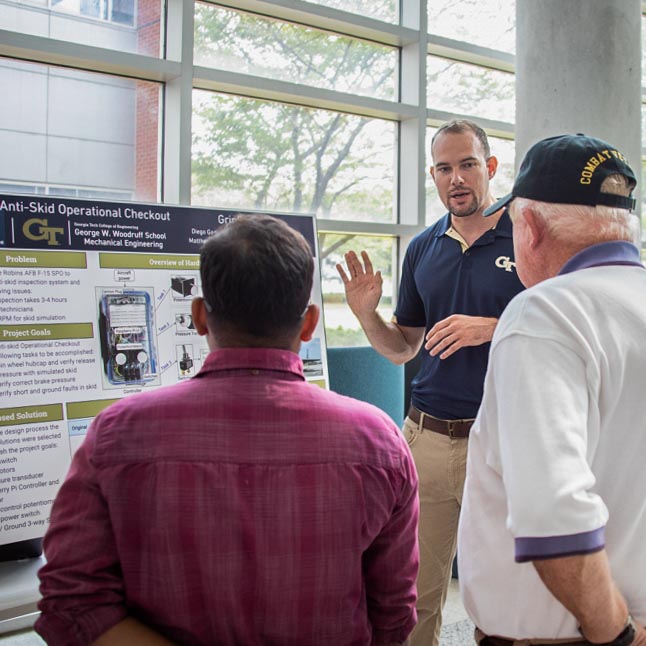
616, 252
501, 230
253, 359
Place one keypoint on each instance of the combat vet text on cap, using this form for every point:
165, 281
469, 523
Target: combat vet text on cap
569, 169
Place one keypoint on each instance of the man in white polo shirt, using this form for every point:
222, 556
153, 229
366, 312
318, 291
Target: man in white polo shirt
552, 539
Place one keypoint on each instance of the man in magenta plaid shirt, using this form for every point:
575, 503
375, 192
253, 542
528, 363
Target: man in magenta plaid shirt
243, 506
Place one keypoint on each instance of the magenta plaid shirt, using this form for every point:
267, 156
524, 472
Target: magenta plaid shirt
243, 506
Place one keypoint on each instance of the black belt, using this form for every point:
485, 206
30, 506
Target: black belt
501, 641
450, 427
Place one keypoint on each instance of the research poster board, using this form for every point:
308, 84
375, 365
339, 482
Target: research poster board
95, 304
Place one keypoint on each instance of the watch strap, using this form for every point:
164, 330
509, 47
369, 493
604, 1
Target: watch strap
624, 638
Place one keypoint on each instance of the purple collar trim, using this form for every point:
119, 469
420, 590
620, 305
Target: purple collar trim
617, 252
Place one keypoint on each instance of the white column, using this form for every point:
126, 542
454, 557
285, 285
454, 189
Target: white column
578, 69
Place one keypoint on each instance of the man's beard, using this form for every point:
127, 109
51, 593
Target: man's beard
466, 210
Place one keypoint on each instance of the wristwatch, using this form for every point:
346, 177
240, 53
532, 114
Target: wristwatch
624, 638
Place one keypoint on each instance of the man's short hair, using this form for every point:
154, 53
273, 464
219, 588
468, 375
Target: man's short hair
459, 127
257, 276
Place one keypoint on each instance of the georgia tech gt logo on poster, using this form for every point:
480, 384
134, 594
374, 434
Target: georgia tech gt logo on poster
39, 229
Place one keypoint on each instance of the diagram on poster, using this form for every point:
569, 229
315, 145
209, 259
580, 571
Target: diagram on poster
95, 304
183, 287
126, 333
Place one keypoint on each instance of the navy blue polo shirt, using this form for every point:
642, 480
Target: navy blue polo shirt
438, 280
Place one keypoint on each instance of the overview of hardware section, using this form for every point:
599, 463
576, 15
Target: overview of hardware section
95, 304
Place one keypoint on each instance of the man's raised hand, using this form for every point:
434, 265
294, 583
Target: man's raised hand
362, 284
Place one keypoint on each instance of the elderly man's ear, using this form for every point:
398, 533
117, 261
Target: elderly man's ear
535, 230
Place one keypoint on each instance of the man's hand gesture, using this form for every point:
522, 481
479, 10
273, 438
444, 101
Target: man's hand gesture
458, 331
363, 286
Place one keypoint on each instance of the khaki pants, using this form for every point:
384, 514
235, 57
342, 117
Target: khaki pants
441, 467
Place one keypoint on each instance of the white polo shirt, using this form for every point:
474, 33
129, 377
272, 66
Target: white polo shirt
557, 455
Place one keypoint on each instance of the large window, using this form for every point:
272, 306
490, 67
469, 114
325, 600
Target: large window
379, 9
487, 23
470, 89
70, 132
255, 154
118, 11
237, 41
318, 106
342, 328
123, 25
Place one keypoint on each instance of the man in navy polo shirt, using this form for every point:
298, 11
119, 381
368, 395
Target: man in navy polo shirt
458, 276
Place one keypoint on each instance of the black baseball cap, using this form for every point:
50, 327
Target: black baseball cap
569, 169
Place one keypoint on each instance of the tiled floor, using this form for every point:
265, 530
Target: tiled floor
453, 610
22, 638
457, 630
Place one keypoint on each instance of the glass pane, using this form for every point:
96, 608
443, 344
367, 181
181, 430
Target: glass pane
470, 90
240, 42
133, 26
78, 133
256, 154
386, 10
488, 23
8, 187
341, 326
643, 51
503, 180
503, 149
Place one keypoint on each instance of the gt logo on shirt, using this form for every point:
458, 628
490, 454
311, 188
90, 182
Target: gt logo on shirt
505, 262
